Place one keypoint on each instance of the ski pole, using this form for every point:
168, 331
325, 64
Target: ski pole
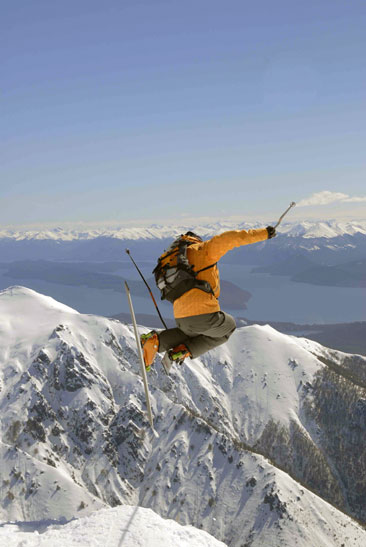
148, 288
292, 204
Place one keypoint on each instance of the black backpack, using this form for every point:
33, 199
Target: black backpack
174, 275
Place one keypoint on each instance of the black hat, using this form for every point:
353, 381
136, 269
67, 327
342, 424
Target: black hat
192, 234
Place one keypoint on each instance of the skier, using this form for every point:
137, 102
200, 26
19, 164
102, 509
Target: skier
201, 324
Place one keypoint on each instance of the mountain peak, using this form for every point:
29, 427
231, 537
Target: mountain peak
29, 298
237, 428
27, 315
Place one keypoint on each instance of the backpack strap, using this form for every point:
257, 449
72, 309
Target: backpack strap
205, 285
207, 268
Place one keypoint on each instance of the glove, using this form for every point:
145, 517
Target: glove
271, 232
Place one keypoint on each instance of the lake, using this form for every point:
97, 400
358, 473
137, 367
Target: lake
277, 298
274, 298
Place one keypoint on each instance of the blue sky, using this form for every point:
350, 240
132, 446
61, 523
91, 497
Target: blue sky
129, 110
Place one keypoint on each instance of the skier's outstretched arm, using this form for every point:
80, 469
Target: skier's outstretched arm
219, 245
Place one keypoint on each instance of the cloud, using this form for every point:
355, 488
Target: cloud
326, 197
354, 200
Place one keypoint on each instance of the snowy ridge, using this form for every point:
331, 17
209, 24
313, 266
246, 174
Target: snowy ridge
307, 229
325, 229
242, 431
123, 233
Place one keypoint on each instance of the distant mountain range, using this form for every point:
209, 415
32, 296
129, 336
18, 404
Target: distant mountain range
260, 442
326, 242
307, 229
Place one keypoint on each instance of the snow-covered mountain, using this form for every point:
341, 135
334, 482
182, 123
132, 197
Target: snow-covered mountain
260, 441
124, 233
307, 229
322, 241
323, 229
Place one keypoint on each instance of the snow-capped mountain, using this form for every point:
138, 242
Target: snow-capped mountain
307, 229
259, 440
123, 233
325, 242
323, 229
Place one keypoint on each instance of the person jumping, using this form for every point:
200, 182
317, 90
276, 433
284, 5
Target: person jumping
188, 276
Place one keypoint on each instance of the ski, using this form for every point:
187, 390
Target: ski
167, 363
141, 357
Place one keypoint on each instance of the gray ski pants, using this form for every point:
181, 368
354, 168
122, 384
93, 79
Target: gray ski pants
199, 333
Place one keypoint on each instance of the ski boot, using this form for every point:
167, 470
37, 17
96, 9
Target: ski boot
175, 355
150, 347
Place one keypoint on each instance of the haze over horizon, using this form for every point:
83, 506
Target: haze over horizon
293, 217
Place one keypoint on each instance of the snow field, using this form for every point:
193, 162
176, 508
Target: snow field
125, 526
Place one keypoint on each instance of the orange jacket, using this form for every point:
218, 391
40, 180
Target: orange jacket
200, 255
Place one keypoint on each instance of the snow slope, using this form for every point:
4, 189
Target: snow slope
124, 526
236, 430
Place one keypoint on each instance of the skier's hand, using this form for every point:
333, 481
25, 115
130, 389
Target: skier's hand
271, 232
